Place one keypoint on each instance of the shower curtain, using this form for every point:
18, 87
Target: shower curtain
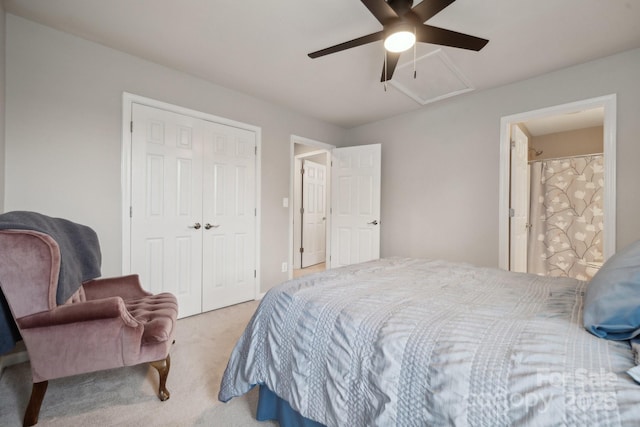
566, 217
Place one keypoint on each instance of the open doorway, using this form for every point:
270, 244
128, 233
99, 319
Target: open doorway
310, 166
557, 198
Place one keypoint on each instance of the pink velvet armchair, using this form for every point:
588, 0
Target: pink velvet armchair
107, 323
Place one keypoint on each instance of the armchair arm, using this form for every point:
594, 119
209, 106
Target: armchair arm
106, 308
81, 337
127, 287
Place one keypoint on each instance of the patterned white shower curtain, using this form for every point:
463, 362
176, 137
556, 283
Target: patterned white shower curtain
566, 217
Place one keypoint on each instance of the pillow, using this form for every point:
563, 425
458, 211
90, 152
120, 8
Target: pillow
635, 371
612, 302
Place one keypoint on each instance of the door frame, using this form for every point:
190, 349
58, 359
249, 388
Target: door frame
608, 102
320, 146
128, 99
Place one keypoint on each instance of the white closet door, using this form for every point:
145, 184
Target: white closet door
166, 204
355, 204
229, 216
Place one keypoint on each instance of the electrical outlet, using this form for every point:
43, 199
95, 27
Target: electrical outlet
285, 267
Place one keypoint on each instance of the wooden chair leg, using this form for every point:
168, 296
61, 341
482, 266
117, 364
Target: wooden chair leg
163, 366
33, 410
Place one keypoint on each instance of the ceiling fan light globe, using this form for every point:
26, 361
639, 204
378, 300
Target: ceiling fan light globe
399, 41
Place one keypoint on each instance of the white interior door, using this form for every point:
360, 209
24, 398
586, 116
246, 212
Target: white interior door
229, 216
355, 204
166, 204
313, 214
519, 210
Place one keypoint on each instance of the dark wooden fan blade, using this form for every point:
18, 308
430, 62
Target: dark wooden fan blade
348, 45
429, 8
392, 61
381, 10
434, 35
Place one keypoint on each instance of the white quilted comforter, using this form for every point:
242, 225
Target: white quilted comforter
407, 342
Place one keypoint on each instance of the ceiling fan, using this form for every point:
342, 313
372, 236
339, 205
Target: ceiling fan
404, 25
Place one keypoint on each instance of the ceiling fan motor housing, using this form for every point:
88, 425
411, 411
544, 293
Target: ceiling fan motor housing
401, 7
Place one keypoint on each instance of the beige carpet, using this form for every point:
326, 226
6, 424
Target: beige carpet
127, 396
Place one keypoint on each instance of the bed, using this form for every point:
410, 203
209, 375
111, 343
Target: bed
415, 342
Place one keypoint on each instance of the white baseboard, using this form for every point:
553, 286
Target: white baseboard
15, 356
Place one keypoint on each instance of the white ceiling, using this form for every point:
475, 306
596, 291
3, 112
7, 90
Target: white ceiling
260, 47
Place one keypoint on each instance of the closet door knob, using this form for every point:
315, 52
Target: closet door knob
374, 222
208, 226
196, 226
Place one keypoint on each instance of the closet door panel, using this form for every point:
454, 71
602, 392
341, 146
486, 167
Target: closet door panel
229, 196
166, 203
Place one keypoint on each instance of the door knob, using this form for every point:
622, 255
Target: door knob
208, 226
196, 226
374, 222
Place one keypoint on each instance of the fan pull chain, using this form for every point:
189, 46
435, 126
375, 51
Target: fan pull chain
414, 54
385, 70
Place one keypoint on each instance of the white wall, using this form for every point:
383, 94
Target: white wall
2, 102
440, 165
63, 141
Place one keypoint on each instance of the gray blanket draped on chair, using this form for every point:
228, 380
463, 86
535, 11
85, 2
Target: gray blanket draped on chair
80, 260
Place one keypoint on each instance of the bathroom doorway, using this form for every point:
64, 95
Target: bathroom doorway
557, 195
